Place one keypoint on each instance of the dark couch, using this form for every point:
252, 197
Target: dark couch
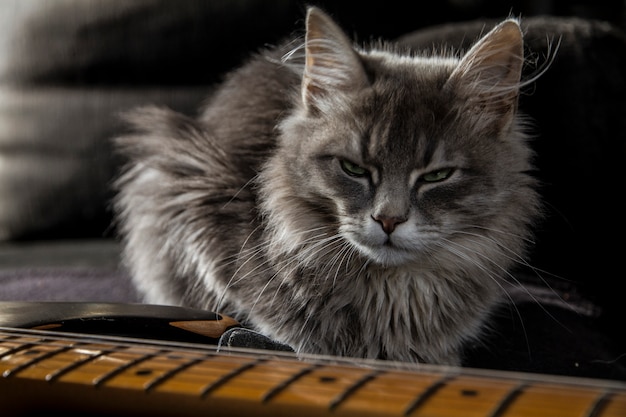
69, 68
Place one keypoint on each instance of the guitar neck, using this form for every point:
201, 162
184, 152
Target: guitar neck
47, 371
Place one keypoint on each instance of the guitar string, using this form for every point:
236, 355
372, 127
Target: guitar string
127, 342
124, 343
596, 410
72, 366
55, 337
42, 338
62, 346
23, 346
35, 360
114, 344
101, 379
26, 336
13, 350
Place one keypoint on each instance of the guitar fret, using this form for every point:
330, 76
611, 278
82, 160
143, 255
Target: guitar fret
597, 408
170, 374
25, 365
287, 382
100, 380
51, 377
8, 337
427, 393
343, 396
502, 407
16, 349
228, 376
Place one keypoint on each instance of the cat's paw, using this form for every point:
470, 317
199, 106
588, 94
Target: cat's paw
246, 338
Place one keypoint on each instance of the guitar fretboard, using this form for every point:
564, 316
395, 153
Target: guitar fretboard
44, 371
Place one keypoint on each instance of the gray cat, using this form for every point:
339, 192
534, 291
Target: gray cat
344, 201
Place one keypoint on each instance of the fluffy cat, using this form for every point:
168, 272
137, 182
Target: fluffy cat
348, 201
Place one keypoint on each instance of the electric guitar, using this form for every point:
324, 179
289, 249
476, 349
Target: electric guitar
79, 358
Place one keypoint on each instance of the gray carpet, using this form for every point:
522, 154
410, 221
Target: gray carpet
80, 270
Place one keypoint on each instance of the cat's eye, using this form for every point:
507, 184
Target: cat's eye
438, 175
353, 169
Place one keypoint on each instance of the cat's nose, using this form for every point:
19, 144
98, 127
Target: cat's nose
389, 223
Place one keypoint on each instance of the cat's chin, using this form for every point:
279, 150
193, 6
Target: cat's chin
385, 255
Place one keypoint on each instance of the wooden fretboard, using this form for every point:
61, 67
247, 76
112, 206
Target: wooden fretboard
46, 371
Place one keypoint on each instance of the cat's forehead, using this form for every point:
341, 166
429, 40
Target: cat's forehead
403, 150
409, 86
406, 109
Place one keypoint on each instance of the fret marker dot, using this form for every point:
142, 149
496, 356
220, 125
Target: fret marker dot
142, 372
327, 379
469, 393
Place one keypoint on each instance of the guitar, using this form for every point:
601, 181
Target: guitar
45, 368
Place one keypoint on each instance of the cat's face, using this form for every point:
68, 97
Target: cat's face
405, 156
399, 169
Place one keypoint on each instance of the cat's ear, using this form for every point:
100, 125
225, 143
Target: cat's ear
332, 66
488, 76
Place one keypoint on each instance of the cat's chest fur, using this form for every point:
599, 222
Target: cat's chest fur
404, 314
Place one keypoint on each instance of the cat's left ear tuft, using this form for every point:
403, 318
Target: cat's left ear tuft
488, 76
332, 66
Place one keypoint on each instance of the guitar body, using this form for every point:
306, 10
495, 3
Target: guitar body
142, 321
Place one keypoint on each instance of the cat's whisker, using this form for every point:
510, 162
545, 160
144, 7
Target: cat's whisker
344, 251
310, 250
516, 257
504, 250
336, 258
469, 250
549, 57
494, 277
236, 194
523, 238
262, 291
506, 273
295, 55
243, 252
258, 269
344, 254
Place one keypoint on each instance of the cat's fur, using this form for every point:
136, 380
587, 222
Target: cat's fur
344, 201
